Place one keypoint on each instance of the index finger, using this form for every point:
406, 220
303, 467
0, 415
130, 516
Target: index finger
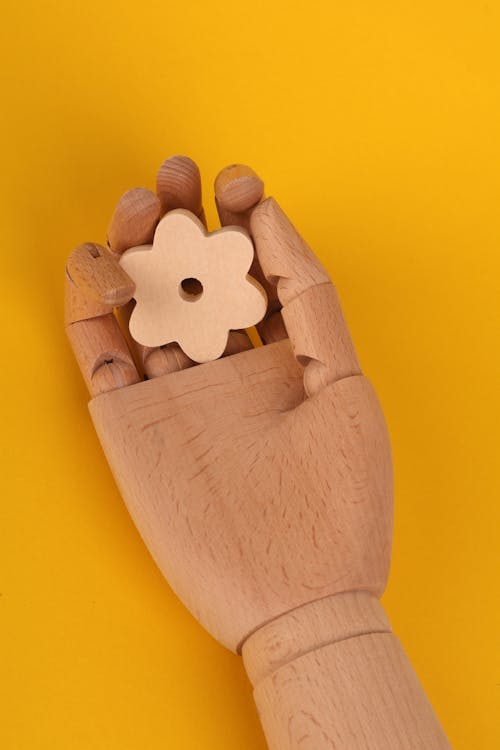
311, 307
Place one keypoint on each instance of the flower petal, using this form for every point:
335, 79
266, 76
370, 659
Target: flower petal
177, 229
199, 348
246, 303
231, 250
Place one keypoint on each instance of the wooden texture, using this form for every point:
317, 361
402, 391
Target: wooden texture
97, 273
307, 318
331, 674
309, 628
357, 694
78, 305
198, 319
261, 483
178, 185
134, 220
102, 354
272, 328
95, 282
285, 258
238, 190
162, 360
237, 341
311, 309
95, 336
219, 535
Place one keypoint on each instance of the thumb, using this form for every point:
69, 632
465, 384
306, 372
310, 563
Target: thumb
311, 308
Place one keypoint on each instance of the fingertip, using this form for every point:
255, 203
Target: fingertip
97, 273
178, 185
134, 220
267, 211
238, 188
238, 193
163, 360
284, 256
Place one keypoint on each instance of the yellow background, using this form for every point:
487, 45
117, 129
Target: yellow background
376, 126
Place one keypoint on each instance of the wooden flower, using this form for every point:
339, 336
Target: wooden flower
192, 286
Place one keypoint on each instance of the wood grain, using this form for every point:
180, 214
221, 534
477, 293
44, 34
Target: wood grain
238, 190
178, 185
262, 485
286, 259
309, 628
331, 674
134, 220
97, 273
102, 354
79, 305
360, 693
219, 535
311, 310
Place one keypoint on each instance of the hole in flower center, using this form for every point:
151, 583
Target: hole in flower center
190, 289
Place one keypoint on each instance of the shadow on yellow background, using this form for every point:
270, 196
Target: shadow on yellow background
376, 126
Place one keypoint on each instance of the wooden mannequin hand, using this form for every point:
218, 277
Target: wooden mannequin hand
260, 482
252, 497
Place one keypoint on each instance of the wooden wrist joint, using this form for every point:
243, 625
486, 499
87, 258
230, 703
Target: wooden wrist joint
332, 674
311, 627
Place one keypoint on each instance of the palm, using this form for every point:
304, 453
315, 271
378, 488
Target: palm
208, 460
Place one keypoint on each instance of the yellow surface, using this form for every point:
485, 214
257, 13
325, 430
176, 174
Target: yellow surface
376, 125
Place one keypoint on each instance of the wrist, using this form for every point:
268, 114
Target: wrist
310, 627
331, 674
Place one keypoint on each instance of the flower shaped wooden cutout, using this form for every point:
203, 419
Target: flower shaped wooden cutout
192, 286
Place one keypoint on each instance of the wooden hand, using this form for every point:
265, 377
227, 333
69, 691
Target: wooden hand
260, 482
